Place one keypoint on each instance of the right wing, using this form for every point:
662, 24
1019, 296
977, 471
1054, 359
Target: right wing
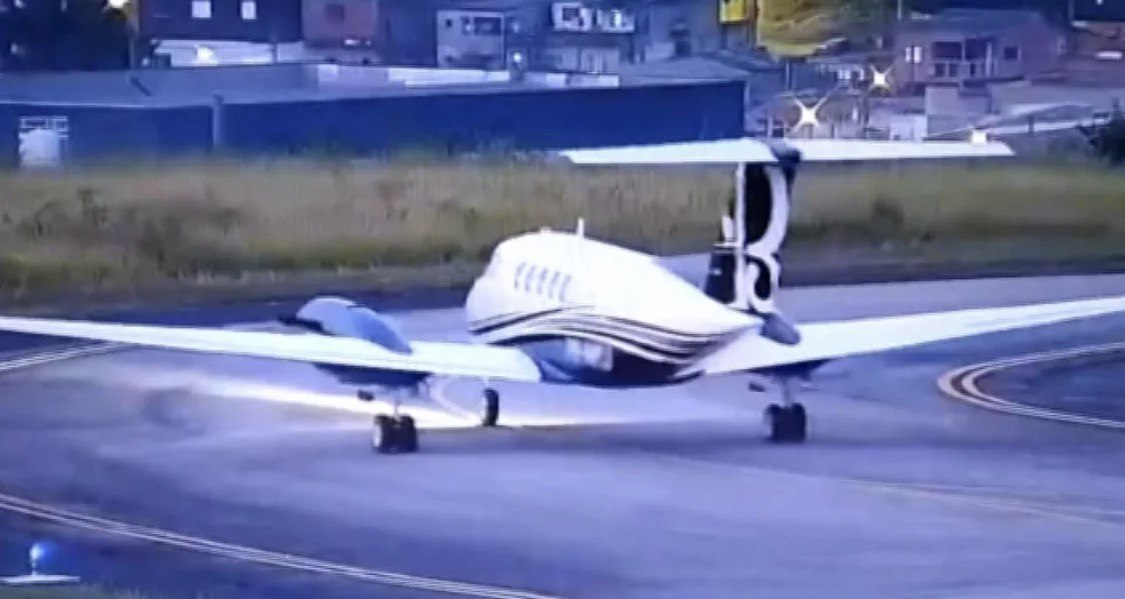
831, 340
449, 359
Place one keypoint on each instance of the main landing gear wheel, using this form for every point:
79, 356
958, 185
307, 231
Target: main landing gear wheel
786, 424
489, 407
394, 434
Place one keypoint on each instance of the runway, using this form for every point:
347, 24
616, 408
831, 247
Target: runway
183, 474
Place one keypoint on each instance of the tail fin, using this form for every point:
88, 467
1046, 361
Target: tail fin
745, 271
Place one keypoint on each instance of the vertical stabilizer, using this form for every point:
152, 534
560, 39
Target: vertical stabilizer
745, 271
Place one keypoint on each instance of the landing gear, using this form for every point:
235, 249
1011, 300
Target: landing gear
394, 434
786, 423
489, 407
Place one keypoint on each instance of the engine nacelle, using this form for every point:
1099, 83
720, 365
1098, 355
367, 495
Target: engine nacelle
341, 317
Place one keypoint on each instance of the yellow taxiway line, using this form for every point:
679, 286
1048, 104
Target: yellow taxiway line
963, 384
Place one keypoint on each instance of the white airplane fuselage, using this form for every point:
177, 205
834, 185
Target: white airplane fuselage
595, 313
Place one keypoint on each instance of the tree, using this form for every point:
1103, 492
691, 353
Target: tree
799, 27
1108, 139
70, 35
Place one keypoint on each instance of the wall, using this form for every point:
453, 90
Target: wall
445, 122
106, 133
1039, 47
333, 22
663, 28
533, 119
473, 39
277, 21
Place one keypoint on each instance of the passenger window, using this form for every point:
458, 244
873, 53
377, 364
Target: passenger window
542, 279
519, 271
553, 288
527, 276
563, 288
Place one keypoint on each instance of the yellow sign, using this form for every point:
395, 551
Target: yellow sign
734, 11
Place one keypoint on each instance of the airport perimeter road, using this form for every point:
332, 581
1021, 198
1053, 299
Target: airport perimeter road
183, 474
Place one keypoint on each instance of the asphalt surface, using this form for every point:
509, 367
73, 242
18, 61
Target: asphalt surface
1091, 385
664, 493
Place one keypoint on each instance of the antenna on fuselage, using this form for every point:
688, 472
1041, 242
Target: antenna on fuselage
580, 229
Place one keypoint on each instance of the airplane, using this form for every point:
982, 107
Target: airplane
558, 307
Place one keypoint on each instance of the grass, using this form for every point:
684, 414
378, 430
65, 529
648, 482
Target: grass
197, 224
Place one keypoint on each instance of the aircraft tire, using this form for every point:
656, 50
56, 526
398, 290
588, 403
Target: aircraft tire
384, 434
773, 421
490, 408
798, 423
408, 434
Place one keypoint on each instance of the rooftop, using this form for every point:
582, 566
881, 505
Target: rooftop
972, 20
276, 83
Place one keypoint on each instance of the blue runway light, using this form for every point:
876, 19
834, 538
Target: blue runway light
36, 554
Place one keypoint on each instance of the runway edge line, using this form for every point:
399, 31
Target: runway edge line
49, 513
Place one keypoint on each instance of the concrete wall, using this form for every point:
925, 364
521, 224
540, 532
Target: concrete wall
276, 21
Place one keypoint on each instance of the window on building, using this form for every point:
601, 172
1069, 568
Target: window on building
912, 54
249, 10
334, 12
946, 50
449, 23
487, 25
201, 9
954, 69
976, 49
939, 69
1011, 52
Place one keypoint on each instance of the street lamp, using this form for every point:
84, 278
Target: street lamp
125, 7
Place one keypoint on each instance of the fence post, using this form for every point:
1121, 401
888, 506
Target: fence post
217, 114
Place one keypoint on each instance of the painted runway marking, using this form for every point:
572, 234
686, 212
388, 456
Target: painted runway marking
963, 384
72, 519
250, 554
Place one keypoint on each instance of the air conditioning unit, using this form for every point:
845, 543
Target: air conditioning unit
571, 16
615, 21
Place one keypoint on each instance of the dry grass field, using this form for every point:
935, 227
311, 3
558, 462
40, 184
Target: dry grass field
131, 226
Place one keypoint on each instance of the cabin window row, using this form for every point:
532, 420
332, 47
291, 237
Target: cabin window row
539, 280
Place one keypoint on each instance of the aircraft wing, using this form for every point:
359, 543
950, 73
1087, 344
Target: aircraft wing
449, 359
832, 340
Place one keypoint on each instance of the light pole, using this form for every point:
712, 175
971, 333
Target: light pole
125, 7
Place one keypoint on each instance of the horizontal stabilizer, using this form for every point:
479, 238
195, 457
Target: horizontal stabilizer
765, 151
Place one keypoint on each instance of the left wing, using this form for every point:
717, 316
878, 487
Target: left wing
832, 340
450, 359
